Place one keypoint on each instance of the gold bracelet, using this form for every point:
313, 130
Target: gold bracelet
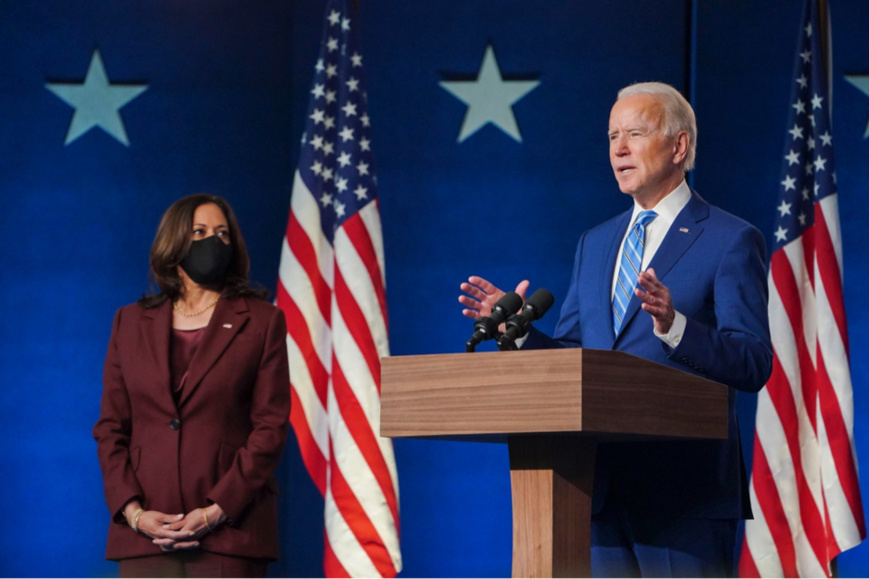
134, 521
205, 518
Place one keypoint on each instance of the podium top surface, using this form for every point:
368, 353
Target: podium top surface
604, 393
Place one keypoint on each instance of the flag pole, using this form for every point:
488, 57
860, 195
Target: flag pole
826, 35
824, 25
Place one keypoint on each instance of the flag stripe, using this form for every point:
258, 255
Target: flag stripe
361, 499
331, 565
308, 256
308, 410
784, 553
844, 471
362, 528
356, 422
357, 234
799, 363
747, 568
840, 440
355, 319
798, 493
830, 275
763, 540
314, 460
316, 374
356, 529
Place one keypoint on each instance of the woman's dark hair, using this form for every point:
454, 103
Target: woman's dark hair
172, 244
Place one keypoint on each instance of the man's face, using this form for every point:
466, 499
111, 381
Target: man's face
646, 162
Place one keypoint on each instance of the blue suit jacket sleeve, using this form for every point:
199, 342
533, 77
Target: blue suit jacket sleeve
736, 350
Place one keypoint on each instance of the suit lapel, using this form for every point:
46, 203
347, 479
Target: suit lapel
228, 318
156, 329
682, 234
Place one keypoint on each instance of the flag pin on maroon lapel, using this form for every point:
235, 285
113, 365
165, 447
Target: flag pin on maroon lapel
227, 326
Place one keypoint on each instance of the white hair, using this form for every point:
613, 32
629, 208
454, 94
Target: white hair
678, 114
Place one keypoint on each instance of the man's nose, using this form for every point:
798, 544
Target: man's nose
620, 146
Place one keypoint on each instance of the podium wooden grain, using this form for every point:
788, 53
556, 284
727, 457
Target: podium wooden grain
551, 407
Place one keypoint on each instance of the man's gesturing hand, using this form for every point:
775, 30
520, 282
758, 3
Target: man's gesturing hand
656, 300
480, 296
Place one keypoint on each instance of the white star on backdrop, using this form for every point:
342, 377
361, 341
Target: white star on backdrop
862, 83
490, 98
96, 102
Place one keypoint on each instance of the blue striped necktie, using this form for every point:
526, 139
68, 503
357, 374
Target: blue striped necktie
629, 266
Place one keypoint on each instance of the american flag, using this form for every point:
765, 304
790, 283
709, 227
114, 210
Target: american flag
804, 486
332, 289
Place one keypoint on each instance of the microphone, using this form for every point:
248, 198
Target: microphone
518, 324
486, 328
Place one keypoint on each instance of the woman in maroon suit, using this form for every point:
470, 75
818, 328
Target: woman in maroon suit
196, 398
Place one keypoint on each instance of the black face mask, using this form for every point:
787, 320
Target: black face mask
208, 260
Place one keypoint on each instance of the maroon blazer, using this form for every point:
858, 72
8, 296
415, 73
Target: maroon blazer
221, 443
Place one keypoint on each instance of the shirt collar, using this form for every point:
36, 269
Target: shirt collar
670, 206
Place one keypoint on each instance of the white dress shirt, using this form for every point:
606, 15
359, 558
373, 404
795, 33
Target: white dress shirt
667, 209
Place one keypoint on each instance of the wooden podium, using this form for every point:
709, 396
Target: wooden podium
552, 407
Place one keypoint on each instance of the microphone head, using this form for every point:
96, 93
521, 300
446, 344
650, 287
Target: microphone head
509, 304
540, 302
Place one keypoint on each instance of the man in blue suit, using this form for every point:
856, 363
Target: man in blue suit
664, 509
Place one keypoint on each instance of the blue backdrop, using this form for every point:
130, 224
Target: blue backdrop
227, 89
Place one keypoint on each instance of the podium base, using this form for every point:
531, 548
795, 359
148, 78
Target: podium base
551, 478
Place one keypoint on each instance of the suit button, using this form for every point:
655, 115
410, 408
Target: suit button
175, 424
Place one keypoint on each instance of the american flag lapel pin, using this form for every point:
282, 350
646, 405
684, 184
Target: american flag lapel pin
227, 326
683, 229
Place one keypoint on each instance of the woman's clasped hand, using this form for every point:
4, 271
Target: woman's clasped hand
175, 532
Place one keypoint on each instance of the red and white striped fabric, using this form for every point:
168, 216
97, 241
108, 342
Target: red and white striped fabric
332, 291
804, 490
